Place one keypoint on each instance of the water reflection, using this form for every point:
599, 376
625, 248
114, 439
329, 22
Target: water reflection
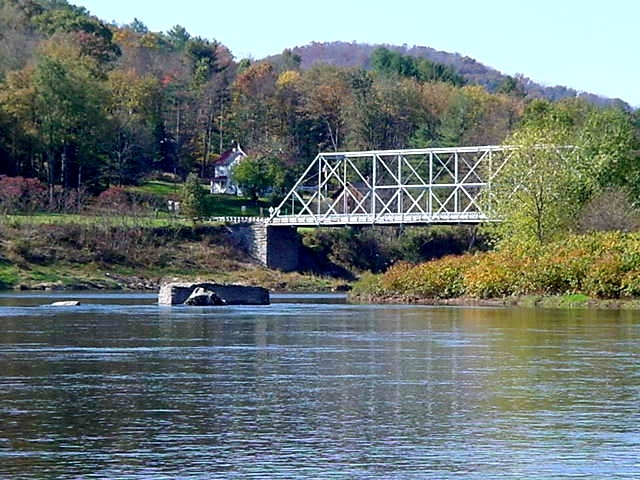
310, 389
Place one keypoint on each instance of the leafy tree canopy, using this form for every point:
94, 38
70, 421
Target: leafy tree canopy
567, 153
178, 37
94, 36
254, 175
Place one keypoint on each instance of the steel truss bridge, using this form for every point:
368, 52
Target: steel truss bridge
393, 187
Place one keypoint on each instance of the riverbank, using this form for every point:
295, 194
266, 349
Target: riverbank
104, 256
95, 255
525, 301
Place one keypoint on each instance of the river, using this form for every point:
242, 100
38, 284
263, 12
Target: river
311, 387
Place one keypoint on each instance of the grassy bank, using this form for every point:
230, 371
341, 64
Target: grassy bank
101, 253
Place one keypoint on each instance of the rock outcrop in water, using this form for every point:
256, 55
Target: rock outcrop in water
202, 297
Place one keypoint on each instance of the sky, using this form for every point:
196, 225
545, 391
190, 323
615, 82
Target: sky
590, 46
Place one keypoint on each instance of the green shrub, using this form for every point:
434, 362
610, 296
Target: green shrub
562, 268
604, 277
193, 197
436, 279
603, 265
631, 252
630, 284
368, 286
397, 278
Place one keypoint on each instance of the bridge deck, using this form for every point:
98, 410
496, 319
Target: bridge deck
367, 219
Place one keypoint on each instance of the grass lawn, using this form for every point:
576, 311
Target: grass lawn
116, 220
158, 187
216, 205
229, 205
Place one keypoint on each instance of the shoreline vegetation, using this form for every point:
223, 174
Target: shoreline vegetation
597, 270
569, 301
126, 238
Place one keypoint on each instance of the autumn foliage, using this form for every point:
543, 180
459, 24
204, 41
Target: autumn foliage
602, 265
19, 194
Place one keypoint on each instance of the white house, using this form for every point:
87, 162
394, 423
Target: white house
223, 169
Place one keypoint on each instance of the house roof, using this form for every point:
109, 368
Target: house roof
229, 156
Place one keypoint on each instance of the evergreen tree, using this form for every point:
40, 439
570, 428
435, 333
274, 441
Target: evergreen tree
193, 197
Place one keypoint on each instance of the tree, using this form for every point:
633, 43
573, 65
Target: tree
138, 26
511, 86
21, 149
435, 100
388, 62
288, 60
68, 104
453, 122
254, 176
253, 102
608, 141
94, 37
365, 114
193, 197
535, 194
178, 37
204, 57
571, 155
326, 93
132, 117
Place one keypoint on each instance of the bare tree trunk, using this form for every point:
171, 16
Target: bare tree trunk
63, 169
51, 175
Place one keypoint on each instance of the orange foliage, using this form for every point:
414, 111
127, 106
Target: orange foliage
603, 265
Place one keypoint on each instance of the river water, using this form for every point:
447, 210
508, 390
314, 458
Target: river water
313, 388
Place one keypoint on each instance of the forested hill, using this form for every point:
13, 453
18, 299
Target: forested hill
358, 55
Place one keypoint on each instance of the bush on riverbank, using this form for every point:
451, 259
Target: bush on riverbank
600, 265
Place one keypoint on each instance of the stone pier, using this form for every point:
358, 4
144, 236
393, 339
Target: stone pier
276, 247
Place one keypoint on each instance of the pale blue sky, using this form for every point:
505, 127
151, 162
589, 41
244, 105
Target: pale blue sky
587, 45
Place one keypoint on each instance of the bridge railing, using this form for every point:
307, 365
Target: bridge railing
237, 219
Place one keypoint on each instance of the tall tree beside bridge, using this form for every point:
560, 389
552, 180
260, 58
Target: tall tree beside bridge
567, 154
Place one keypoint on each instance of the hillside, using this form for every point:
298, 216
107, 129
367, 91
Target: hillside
86, 105
358, 55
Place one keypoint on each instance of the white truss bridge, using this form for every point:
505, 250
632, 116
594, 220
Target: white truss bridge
393, 187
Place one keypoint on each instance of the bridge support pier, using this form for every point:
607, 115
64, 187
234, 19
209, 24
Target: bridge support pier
276, 247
